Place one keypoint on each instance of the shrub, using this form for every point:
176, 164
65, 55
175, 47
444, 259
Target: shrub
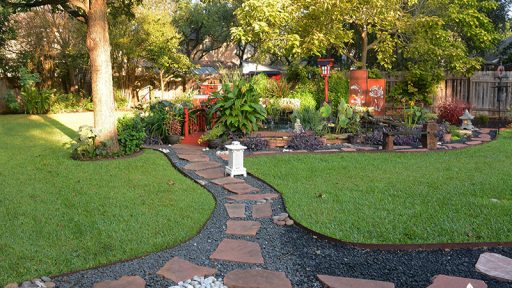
70, 103
309, 118
36, 101
130, 134
238, 108
155, 118
451, 111
255, 143
12, 103
306, 95
348, 120
305, 141
85, 147
215, 133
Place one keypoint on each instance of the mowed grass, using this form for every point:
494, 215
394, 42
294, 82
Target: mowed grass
435, 197
59, 215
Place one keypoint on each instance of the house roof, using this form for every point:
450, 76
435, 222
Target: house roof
205, 70
255, 68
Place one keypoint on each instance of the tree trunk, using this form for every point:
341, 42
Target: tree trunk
162, 84
98, 45
364, 50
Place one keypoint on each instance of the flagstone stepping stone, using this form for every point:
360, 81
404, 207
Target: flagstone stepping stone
364, 148
227, 180
213, 173
481, 139
495, 265
265, 153
485, 130
484, 136
348, 149
443, 281
253, 197
235, 210
327, 151
256, 279
473, 142
238, 251
455, 145
123, 282
243, 228
182, 152
343, 282
240, 188
189, 147
262, 210
197, 166
194, 157
179, 270
402, 147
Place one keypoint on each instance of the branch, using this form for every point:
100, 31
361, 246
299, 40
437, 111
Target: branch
66, 5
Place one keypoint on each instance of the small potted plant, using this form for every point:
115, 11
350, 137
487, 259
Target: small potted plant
214, 137
173, 126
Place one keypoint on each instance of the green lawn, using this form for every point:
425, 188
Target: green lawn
59, 215
430, 197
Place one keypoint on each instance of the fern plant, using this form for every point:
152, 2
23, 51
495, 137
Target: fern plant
238, 108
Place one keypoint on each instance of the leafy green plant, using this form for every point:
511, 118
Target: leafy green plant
36, 101
310, 119
215, 133
348, 119
12, 103
307, 98
130, 134
84, 146
238, 108
412, 114
155, 118
325, 110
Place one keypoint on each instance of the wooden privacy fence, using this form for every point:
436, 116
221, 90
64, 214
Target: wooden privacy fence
478, 90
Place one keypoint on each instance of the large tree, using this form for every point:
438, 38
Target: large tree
94, 13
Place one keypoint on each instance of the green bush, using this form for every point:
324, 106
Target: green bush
70, 103
310, 120
84, 146
120, 100
12, 103
306, 97
130, 134
36, 101
238, 108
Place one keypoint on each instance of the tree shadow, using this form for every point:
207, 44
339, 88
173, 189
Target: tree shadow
61, 127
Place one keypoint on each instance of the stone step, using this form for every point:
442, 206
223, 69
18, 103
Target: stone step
235, 210
213, 173
256, 279
253, 197
495, 265
443, 281
262, 210
343, 282
240, 188
198, 166
179, 270
123, 282
194, 157
243, 228
227, 180
238, 251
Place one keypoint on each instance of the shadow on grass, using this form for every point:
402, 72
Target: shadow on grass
61, 127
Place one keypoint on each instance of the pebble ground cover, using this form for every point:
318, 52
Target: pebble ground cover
400, 198
59, 215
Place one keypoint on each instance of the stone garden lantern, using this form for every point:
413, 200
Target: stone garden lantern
466, 121
236, 159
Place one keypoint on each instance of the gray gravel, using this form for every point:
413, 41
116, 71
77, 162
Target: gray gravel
294, 251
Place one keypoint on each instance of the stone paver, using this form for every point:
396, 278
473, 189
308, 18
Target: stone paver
485, 130
343, 282
413, 150
178, 270
227, 180
256, 279
484, 136
123, 282
481, 139
495, 265
455, 145
262, 210
183, 152
240, 188
235, 210
194, 157
213, 173
238, 251
443, 281
402, 147
366, 148
243, 228
348, 149
197, 166
473, 142
253, 197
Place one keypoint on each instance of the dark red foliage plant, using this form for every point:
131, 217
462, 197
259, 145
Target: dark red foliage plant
451, 111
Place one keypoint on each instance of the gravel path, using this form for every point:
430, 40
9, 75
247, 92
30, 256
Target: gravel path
294, 251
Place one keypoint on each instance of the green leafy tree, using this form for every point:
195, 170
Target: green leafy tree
94, 13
